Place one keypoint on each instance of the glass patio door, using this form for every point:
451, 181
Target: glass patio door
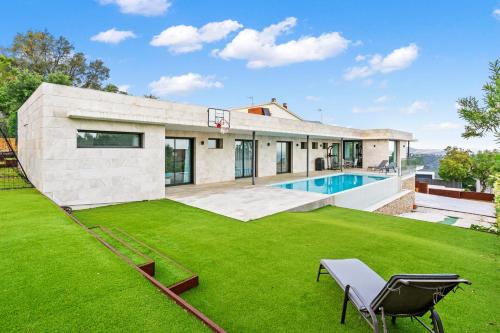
353, 154
243, 150
178, 161
283, 157
335, 162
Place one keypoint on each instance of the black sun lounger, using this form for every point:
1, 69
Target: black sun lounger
404, 295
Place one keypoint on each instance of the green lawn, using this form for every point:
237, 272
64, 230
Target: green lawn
56, 277
260, 276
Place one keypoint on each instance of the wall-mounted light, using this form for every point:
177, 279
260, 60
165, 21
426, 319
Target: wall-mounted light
374, 146
268, 144
202, 143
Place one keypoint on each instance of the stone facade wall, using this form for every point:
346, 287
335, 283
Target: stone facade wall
408, 183
401, 205
87, 176
374, 152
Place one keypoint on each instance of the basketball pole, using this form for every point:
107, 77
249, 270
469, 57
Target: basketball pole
253, 157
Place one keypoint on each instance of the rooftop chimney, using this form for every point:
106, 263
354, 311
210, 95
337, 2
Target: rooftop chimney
273, 100
285, 105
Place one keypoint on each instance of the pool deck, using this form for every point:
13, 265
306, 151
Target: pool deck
240, 200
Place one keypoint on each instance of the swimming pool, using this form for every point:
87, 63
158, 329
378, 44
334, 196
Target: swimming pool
330, 184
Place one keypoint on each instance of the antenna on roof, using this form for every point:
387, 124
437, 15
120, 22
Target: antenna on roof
251, 99
320, 110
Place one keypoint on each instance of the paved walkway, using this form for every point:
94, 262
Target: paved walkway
456, 212
457, 205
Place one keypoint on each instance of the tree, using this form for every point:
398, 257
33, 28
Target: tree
15, 90
456, 166
42, 53
484, 165
483, 119
59, 78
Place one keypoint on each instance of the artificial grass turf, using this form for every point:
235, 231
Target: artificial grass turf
56, 277
260, 276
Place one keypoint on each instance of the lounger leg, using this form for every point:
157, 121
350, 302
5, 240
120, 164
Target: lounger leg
319, 272
436, 322
382, 316
344, 307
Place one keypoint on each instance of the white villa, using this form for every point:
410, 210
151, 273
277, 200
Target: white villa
83, 147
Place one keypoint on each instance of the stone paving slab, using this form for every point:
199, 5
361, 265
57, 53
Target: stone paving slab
248, 203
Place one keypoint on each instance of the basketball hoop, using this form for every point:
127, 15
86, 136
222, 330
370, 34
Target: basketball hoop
222, 125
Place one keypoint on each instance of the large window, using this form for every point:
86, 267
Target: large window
283, 160
105, 139
178, 161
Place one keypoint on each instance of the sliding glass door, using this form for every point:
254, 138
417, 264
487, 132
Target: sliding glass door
283, 160
335, 162
243, 150
178, 161
392, 152
353, 154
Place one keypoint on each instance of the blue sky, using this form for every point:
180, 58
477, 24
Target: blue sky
366, 64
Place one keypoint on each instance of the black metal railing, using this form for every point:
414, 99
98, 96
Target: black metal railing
12, 175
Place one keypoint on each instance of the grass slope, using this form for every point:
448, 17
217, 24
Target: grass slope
56, 277
260, 276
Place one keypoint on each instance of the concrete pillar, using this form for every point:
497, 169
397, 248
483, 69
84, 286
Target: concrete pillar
341, 155
307, 158
254, 148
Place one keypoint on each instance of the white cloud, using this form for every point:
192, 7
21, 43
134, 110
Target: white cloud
124, 87
183, 84
496, 13
442, 126
260, 50
415, 107
360, 57
396, 60
381, 99
369, 109
312, 98
112, 36
140, 7
186, 38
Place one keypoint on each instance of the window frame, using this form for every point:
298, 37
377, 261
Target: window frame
314, 145
219, 143
303, 145
140, 134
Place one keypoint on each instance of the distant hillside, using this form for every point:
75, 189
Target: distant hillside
430, 158
415, 151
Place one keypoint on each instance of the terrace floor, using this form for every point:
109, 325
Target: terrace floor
240, 200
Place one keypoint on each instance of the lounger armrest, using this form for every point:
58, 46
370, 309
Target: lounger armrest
408, 282
358, 295
373, 316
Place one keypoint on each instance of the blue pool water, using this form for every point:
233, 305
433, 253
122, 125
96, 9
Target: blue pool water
330, 184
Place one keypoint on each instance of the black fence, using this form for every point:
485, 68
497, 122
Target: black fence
12, 175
